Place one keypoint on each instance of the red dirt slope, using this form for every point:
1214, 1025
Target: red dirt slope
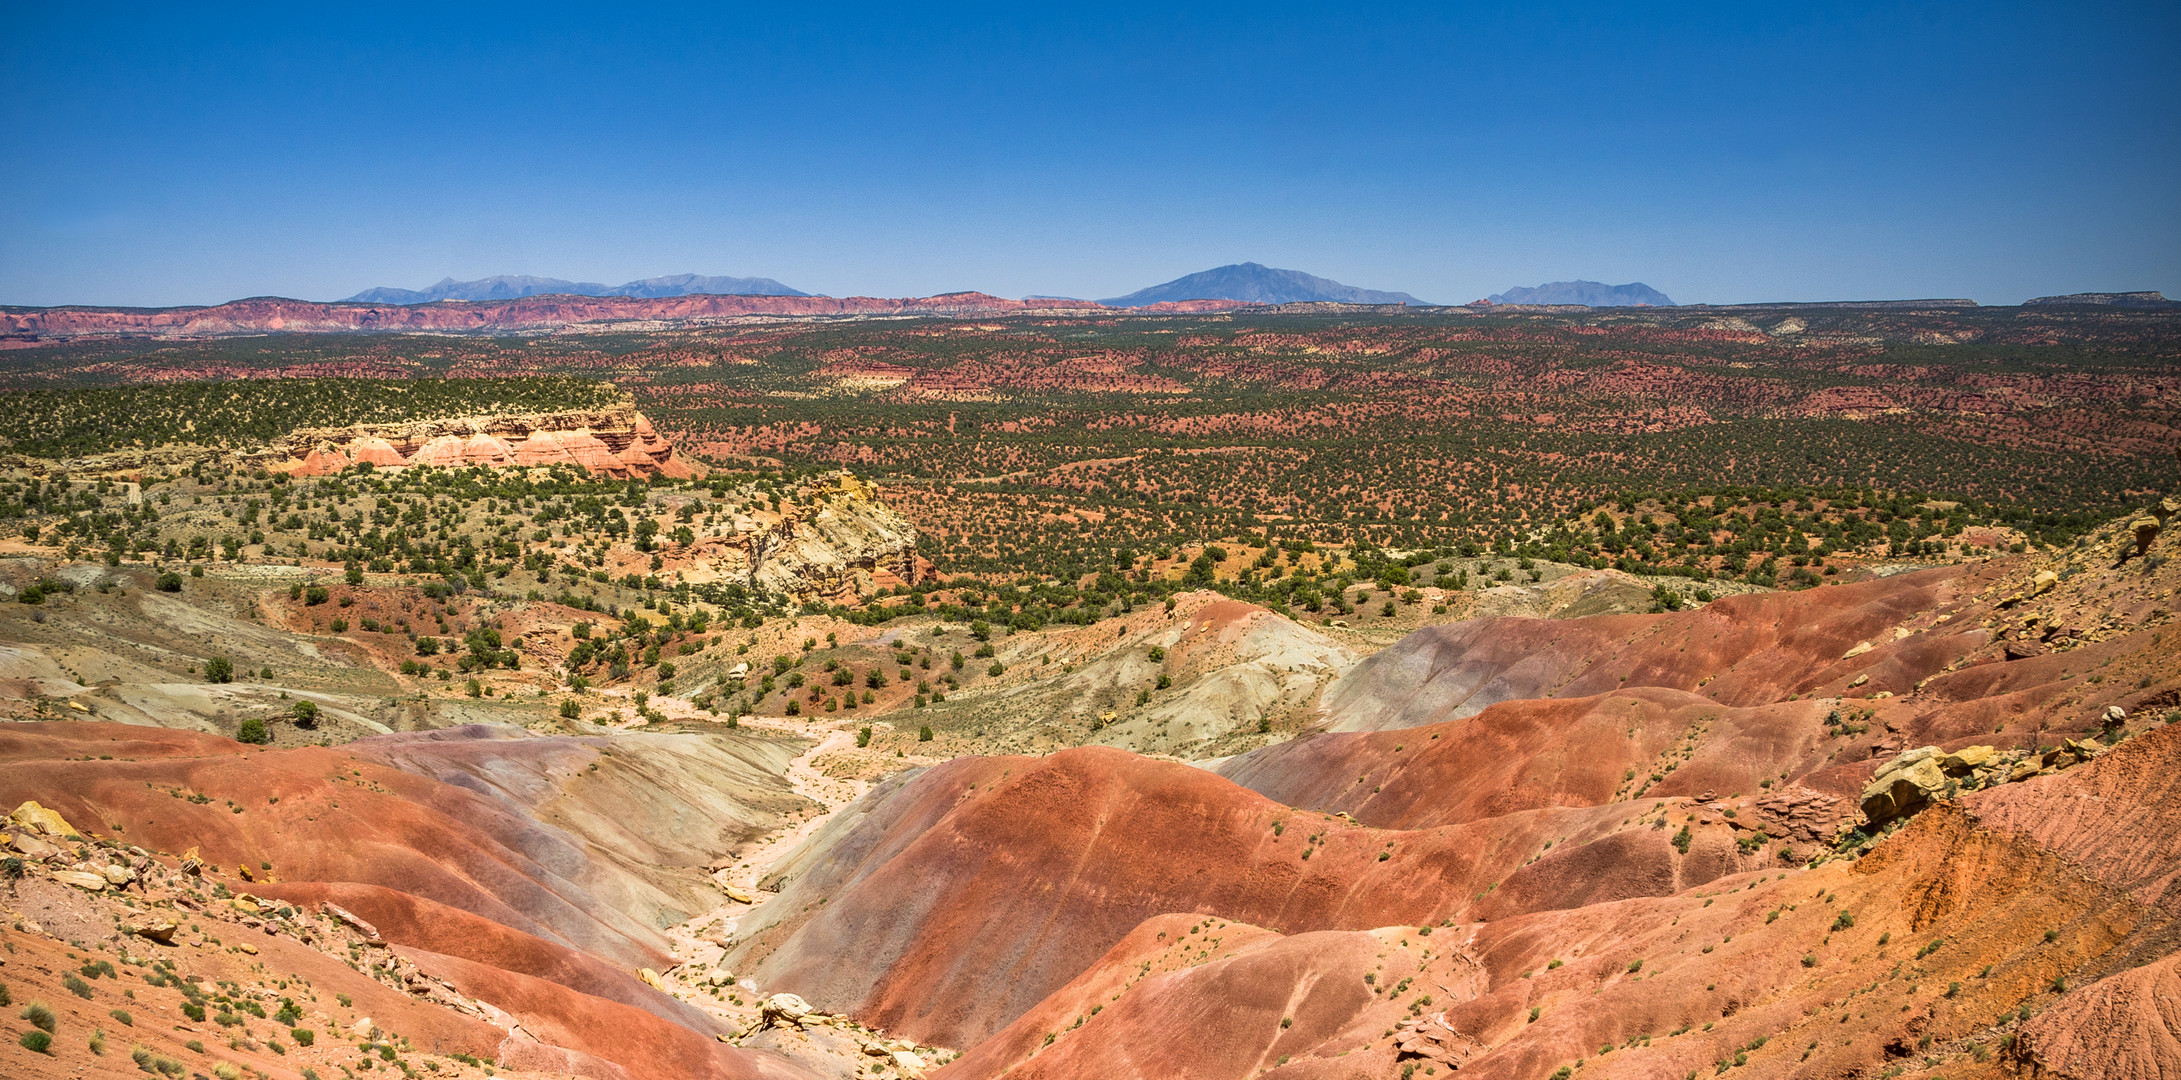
968, 893
481, 892
1927, 954
1740, 650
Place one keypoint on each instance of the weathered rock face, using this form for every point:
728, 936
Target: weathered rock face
617, 442
1917, 778
841, 545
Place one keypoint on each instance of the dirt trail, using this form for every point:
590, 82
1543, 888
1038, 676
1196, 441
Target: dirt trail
698, 943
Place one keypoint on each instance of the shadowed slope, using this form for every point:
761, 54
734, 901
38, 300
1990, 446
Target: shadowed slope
650, 810
1741, 650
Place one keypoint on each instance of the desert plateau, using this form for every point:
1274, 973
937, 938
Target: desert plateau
833, 699
1091, 542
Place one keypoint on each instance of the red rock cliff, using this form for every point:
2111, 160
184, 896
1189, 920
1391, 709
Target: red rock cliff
617, 441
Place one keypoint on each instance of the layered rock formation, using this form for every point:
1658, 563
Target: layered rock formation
840, 545
618, 442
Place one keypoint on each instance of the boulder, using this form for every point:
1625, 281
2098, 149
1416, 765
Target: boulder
350, 919
1435, 1040
781, 1009
26, 844
1968, 759
2145, 529
162, 932
30, 815
81, 879
1916, 778
2043, 582
118, 875
739, 896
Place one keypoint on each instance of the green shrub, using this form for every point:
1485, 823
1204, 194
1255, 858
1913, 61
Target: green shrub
122, 1017
39, 1016
219, 669
37, 1042
923, 734
252, 730
303, 1036
863, 737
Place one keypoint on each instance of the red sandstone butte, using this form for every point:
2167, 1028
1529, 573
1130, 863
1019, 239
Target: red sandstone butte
617, 441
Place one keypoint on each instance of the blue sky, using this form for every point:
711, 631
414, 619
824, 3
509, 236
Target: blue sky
1719, 153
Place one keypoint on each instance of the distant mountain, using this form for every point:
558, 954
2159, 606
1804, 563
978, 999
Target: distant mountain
1588, 293
516, 286
1254, 283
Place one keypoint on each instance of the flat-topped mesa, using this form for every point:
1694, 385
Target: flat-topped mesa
616, 441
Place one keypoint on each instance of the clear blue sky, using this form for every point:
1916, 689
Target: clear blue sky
1730, 153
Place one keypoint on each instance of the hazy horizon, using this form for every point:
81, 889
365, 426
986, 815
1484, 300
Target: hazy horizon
1719, 155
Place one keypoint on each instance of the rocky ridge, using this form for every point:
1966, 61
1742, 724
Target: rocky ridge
618, 442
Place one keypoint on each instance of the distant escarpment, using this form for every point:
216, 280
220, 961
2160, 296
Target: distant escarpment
1585, 294
261, 315
2151, 299
617, 441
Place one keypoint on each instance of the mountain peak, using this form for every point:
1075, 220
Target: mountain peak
1257, 283
1586, 293
516, 286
